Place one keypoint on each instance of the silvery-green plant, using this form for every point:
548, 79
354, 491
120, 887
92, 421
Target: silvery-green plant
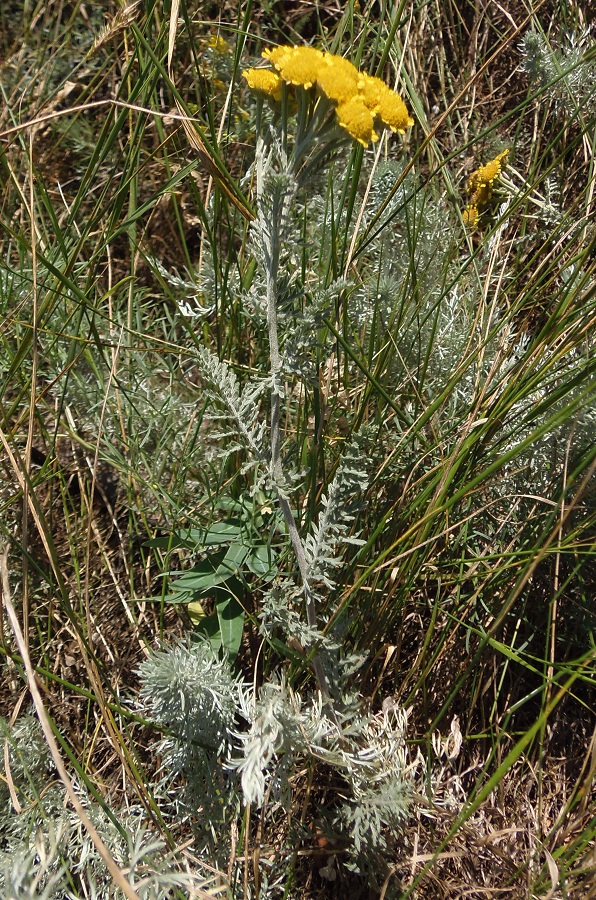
276, 728
567, 74
46, 853
191, 693
219, 726
36, 873
282, 730
381, 779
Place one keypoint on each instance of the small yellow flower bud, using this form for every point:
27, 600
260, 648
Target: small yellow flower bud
482, 194
393, 111
470, 215
218, 44
276, 55
298, 65
371, 90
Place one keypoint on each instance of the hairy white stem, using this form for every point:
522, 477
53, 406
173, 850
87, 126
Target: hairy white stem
272, 252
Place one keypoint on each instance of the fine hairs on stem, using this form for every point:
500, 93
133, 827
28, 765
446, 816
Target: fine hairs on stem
271, 234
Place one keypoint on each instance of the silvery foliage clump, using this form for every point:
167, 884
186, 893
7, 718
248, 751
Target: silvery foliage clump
189, 292
306, 335
324, 545
159, 409
36, 872
381, 777
194, 697
193, 692
566, 74
46, 853
537, 470
549, 428
332, 530
369, 753
403, 298
219, 726
416, 297
147, 392
236, 412
282, 730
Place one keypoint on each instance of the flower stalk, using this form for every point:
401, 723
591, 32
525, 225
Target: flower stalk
271, 253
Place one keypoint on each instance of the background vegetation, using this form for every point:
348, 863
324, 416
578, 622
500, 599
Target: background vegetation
449, 369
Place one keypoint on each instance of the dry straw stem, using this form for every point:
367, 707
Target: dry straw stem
56, 114
101, 848
85, 107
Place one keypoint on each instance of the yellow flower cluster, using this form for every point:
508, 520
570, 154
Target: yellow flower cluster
359, 99
218, 44
480, 187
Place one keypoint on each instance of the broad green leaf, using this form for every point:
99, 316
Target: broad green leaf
210, 627
177, 597
218, 533
235, 556
230, 614
212, 571
261, 561
224, 627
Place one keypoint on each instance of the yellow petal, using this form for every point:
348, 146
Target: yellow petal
470, 216
393, 111
487, 174
276, 55
371, 90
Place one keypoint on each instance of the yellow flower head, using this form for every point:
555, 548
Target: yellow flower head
358, 97
297, 65
371, 90
470, 215
338, 78
264, 81
276, 55
484, 177
357, 120
393, 111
